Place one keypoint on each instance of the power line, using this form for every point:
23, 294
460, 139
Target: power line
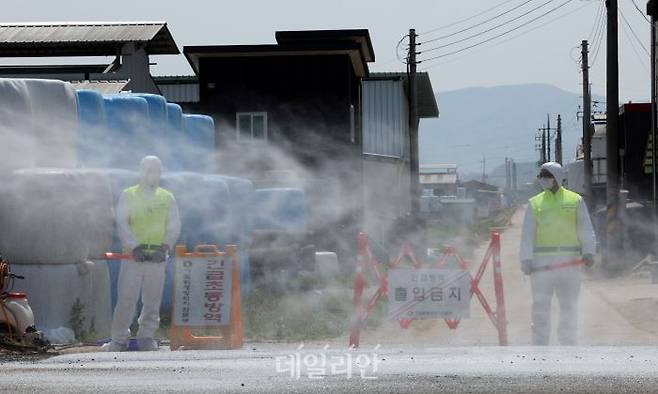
467, 18
479, 24
397, 50
639, 56
485, 31
518, 35
598, 40
640, 11
633, 32
498, 35
599, 13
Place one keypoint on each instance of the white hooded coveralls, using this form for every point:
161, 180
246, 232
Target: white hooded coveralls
564, 282
145, 278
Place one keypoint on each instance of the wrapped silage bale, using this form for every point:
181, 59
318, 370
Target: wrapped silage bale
42, 220
93, 133
53, 122
199, 147
127, 120
152, 138
280, 209
73, 296
239, 222
174, 138
18, 147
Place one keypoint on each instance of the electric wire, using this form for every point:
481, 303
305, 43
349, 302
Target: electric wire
517, 35
635, 50
623, 17
467, 18
640, 11
498, 35
397, 50
598, 40
479, 24
485, 31
599, 14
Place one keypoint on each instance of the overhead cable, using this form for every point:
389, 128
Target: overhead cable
467, 18
485, 31
498, 35
521, 34
479, 24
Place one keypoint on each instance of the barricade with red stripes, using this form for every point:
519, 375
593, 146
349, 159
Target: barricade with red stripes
367, 261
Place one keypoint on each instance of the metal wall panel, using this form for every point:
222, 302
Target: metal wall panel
385, 118
180, 92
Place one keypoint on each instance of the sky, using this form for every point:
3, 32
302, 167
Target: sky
544, 51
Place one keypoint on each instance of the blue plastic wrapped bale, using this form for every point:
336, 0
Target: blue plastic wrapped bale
240, 209
214, 201
280, 209
157, 110
200, 142
186, 188
174, 137
92, 135
128, 136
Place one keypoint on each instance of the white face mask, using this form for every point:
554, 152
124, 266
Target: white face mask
546, 183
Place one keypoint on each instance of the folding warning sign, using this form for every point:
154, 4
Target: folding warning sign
427, 292
206, 298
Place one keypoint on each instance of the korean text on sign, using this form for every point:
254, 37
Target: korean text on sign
203, 291
429, 293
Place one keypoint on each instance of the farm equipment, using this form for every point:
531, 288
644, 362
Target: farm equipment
17, 329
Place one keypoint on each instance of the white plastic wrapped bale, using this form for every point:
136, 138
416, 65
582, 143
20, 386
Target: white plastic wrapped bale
42, 219
17, 147
38, 124
74, 296
54, 122
97, 206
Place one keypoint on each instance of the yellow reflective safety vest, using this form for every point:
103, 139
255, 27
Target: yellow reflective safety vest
556, 218
148, 214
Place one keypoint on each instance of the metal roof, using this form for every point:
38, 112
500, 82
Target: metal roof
354, 43
427, 106
83, 38
361, 36
103, 87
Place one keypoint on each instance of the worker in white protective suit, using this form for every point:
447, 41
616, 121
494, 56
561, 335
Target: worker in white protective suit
149, 225
557, 233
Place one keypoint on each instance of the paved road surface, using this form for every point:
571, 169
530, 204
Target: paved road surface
401, 369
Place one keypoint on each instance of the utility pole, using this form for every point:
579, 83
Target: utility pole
587, 126
558, 140
614, 254
548, 135
652, 9
538, 147
543, 145
484, 169
508, 174
514, 182
413, 125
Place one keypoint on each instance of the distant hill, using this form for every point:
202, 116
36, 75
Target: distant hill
497, 122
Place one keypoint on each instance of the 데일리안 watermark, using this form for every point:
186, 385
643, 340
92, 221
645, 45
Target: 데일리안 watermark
320, 364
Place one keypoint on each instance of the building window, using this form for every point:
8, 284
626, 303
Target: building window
251, 126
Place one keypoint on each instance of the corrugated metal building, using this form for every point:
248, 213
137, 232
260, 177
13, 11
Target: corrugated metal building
386, 148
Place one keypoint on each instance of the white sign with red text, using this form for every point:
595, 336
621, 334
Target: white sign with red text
202, 291
428, 293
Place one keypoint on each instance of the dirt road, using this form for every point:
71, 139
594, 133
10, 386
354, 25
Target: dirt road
613, 312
